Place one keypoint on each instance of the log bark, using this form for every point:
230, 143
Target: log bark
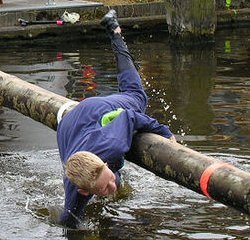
172, 161
191, 18
31, 100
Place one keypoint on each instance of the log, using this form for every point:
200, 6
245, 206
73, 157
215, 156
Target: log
172, 161
1, 1
191, 18
31, 100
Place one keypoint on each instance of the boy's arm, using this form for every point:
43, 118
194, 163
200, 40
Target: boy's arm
118, 134
74, 205
144, 123
135, 121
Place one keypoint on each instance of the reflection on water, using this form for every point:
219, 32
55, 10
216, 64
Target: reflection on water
202, 93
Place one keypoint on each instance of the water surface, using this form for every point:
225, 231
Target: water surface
201, 92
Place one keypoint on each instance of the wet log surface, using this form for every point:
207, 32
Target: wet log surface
30, 100
175, 162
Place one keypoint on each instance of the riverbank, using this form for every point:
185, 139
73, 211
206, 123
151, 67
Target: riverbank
134, 17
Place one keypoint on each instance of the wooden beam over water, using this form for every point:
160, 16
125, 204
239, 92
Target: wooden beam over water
172, 161
31, 100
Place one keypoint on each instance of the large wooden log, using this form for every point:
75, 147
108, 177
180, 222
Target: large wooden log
171, 161
31, 100
191, 18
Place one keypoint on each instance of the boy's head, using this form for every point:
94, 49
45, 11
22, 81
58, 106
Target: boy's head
90, 174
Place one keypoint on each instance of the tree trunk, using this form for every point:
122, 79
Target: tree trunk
171, 161
30, 100
191, 18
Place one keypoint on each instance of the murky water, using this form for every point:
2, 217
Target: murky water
202, 93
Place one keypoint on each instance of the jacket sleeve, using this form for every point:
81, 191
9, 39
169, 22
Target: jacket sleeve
74, 205
143, 123
116, 137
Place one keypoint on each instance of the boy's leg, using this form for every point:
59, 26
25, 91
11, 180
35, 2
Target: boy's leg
123, 57
124, 60
128, 77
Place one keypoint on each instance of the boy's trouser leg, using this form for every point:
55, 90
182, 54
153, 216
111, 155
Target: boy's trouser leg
124, 59
129, 80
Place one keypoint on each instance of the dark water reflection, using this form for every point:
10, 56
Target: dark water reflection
202, 93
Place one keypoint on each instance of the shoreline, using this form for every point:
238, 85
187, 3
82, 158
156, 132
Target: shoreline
134, 17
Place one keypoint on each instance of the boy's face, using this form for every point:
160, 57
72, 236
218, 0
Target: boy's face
105, 183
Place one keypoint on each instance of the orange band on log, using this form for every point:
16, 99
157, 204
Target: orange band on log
206, 175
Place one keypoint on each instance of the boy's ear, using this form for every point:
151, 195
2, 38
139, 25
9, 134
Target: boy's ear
83, 192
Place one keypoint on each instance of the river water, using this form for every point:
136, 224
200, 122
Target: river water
201, 92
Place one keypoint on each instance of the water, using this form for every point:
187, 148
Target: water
202, 93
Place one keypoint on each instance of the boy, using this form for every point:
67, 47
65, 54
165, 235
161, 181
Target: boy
94, 137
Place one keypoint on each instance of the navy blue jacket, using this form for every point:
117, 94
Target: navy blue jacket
81, 130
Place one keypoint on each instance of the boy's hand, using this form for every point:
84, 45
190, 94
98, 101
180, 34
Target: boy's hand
172, 138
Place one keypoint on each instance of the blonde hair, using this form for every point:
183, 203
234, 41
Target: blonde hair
83, 168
